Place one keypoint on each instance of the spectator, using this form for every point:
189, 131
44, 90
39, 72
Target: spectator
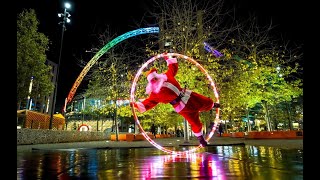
153, 130
220, 129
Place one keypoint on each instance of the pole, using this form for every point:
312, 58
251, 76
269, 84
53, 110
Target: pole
248, 119
289, 116
186, 131
30, 89
56, 83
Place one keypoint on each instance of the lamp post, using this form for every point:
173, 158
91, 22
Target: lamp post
65, 15
29, 101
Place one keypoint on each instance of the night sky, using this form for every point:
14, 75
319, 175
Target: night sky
87, 17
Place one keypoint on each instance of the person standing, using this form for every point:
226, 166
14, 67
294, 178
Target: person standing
220, 129
153, 130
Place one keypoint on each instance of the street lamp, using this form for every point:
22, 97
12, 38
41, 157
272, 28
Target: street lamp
29, 98
278, 68
65, 15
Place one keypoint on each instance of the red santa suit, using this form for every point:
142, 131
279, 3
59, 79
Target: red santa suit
185, 102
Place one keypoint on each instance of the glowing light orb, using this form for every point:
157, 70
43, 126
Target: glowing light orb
132, 100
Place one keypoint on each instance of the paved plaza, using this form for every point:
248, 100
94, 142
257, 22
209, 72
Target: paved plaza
214, 141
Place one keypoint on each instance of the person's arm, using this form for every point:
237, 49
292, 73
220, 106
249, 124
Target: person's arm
172, 64
146, 104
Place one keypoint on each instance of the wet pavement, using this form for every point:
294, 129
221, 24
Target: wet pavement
217, 161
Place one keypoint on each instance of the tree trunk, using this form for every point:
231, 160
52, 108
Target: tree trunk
98, 123
248, 120
116, 125
267, 118
186, 131
289, 116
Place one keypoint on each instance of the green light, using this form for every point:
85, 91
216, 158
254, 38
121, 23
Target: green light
102, 51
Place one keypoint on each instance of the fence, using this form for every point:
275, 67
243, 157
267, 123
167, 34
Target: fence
35, 120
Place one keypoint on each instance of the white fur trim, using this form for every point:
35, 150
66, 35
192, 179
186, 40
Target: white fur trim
198, 134
151, 76
171, 61
172, 87
212, 105
141, 107
184, 101
156, 86
179, 107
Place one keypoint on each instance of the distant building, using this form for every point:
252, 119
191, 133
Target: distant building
46, 106
49, 100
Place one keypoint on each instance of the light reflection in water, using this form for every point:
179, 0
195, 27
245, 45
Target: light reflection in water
251, 161
217, 162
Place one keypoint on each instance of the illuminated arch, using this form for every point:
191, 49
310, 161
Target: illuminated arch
132, 100
102, 51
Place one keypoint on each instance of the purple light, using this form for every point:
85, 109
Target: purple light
215, 52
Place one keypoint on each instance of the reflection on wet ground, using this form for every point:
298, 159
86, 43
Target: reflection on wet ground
214, 162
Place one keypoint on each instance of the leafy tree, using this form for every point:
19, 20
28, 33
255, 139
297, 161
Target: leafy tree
253, 59
31, 57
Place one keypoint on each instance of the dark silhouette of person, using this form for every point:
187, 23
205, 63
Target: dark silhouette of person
153, 130
220, 129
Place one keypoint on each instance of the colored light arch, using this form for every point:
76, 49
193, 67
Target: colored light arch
132, 100
102, 51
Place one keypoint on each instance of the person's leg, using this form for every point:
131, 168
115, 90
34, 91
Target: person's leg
197, 103
194, 121
200, 103
196, 125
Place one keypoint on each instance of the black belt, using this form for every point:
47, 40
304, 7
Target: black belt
178, 99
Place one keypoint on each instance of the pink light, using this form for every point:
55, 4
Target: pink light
132, 99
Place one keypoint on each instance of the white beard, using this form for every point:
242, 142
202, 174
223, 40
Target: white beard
156, 86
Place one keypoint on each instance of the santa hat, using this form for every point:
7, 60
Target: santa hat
151, 73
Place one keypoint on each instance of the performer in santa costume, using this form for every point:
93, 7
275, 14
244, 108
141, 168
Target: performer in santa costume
164, 88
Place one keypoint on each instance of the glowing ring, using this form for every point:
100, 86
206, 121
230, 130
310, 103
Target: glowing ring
132, 99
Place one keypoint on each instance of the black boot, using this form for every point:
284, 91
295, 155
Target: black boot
202, 141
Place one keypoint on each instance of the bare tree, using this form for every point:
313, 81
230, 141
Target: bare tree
185, 25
